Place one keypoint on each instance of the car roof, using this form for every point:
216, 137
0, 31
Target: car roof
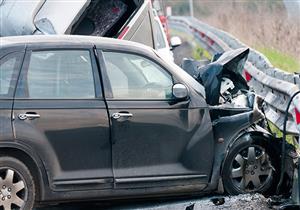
72, 39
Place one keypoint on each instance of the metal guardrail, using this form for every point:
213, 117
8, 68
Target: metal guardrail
275, 85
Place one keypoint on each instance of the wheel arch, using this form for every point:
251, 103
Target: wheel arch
31, 160
261, 137
254, 134
250, 135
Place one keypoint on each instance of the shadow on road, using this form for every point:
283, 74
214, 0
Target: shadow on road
124, 205
210, 202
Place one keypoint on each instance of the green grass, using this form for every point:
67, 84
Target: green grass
281, 60
278, 59
278, 133
200, 53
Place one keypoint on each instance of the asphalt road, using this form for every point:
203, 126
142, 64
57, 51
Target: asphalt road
241, 202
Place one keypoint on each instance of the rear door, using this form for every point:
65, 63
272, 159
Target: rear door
60, 113
9, 71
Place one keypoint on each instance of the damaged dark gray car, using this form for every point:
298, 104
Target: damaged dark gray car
86, 118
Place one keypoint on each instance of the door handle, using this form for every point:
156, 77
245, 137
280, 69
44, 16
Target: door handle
121, 114
29, 116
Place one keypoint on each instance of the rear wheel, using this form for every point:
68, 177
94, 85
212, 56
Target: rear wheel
250, 167
17, 189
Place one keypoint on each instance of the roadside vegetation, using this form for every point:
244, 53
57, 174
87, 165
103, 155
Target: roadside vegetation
280, 60
256, 23
289, 138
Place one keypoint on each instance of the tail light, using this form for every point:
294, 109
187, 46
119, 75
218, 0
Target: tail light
297, 113
248, 76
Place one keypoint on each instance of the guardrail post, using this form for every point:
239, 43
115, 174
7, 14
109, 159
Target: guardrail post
296, 184
191, 8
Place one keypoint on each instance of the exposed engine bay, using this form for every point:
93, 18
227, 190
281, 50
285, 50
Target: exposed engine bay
222, 78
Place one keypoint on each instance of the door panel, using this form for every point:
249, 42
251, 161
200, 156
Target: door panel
155, 137
60, 112
159, 139
71, 136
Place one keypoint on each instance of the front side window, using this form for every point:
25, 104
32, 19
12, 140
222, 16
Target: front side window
61, 74
9, 69
136, 77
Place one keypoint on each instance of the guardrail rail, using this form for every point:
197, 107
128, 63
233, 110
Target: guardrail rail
275, 85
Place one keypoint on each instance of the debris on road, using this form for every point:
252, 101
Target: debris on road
240, 202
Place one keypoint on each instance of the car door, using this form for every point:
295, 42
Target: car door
155, 138
60, 113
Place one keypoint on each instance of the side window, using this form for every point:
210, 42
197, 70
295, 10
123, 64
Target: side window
9, 70
61, 74
160, 41
142, 31
136, 77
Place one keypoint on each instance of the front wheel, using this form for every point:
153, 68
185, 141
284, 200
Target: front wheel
17, 189
250, 167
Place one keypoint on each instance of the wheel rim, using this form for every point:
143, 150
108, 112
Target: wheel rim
251, 169
13, 191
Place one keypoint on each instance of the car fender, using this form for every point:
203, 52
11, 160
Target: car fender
33, 155
274, 144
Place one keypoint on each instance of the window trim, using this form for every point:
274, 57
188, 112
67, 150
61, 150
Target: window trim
13, 83
24, 70
106, 82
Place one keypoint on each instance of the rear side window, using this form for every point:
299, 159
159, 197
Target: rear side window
160, 41
142, 32
61, 74
9, 70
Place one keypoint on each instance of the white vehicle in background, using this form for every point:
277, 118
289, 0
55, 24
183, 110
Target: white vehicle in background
162, 45
123, 19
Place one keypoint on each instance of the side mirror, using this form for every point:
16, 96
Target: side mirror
45, 26
180, 91
175, 41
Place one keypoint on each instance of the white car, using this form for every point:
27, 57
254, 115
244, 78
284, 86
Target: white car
129, 20
162, 46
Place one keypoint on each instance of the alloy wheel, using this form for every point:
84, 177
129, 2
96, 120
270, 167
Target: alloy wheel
13, 190
251, 169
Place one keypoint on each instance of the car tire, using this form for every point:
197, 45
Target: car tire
17, 187
250, 166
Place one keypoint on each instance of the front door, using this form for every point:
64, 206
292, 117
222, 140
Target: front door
60, 111
155, 138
